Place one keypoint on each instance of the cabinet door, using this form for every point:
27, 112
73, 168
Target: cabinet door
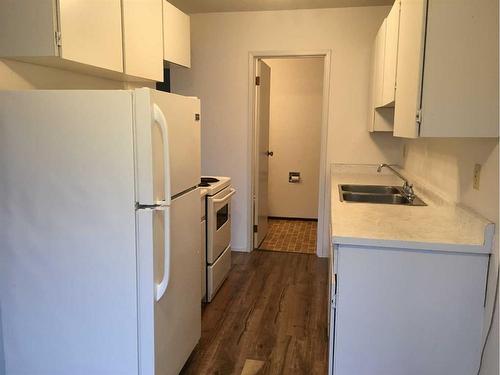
27, 28
381, 119
176, 36
409, 67
91, 32
378, 61
391, 55
396, 306
143, 38
460, 89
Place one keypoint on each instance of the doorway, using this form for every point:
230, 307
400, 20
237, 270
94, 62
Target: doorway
289, 153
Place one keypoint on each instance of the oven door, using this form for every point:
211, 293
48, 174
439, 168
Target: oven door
218, 223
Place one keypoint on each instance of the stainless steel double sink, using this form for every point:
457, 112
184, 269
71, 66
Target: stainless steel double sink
381, 194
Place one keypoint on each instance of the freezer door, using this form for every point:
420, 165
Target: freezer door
184, 135
167, 144
68, 293
177, 315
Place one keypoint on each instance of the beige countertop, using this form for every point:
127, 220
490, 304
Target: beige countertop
438, 226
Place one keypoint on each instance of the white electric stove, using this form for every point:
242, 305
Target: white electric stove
218, 231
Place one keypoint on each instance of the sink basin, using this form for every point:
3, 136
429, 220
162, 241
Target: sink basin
374, 189
376, 198
377, 194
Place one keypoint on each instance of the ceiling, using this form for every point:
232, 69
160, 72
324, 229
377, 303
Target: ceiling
206, 6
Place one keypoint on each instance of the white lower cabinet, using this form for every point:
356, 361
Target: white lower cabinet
406, 311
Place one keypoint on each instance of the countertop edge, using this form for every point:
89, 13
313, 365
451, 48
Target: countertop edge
412, 245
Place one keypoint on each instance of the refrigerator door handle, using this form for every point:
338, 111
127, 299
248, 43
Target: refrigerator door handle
159, 118
161, 288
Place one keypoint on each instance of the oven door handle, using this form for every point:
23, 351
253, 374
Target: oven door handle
220, 200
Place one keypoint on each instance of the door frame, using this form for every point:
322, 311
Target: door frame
323, 204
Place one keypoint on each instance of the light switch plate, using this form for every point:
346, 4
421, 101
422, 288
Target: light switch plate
477, 176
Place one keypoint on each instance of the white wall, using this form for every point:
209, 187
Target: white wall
294, 135
221, 43
447, 165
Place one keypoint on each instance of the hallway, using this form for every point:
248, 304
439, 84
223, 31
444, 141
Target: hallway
269, 317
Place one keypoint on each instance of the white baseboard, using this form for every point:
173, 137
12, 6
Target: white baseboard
241, 250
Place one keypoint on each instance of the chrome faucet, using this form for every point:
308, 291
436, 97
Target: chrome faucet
407, 187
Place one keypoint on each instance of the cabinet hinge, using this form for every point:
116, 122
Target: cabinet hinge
334, 301
257, 81
255, 228
57, 36
196, 117
418, 116
418, 120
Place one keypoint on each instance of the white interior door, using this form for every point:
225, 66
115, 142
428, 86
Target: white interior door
261, 175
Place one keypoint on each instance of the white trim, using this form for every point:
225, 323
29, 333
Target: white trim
323, 201
241, 250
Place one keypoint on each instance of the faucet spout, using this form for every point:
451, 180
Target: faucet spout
407, 187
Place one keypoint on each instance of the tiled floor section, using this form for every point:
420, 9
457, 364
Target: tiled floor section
298, 236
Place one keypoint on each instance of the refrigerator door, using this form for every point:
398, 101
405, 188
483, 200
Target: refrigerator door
177, 315
68, 289
168, 154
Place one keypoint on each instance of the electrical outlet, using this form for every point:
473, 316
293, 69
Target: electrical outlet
477, 176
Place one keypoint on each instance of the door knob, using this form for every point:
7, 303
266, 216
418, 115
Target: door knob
269, 153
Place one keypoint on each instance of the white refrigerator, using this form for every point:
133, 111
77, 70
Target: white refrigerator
99, 232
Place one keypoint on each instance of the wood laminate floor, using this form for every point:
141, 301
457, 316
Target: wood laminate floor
269, 317
298, 236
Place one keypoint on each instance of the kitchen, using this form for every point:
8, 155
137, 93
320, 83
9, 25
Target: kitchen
440, 164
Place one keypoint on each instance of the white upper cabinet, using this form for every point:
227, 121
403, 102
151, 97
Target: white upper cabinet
384, 73
447, 69
380, 119
409, 67
176, 36
27, 28
91, 32
142, 38
117, 39
378, 64
70, 34
391, 56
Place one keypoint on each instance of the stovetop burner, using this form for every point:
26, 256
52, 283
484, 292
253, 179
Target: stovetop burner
209, 180
206, 181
